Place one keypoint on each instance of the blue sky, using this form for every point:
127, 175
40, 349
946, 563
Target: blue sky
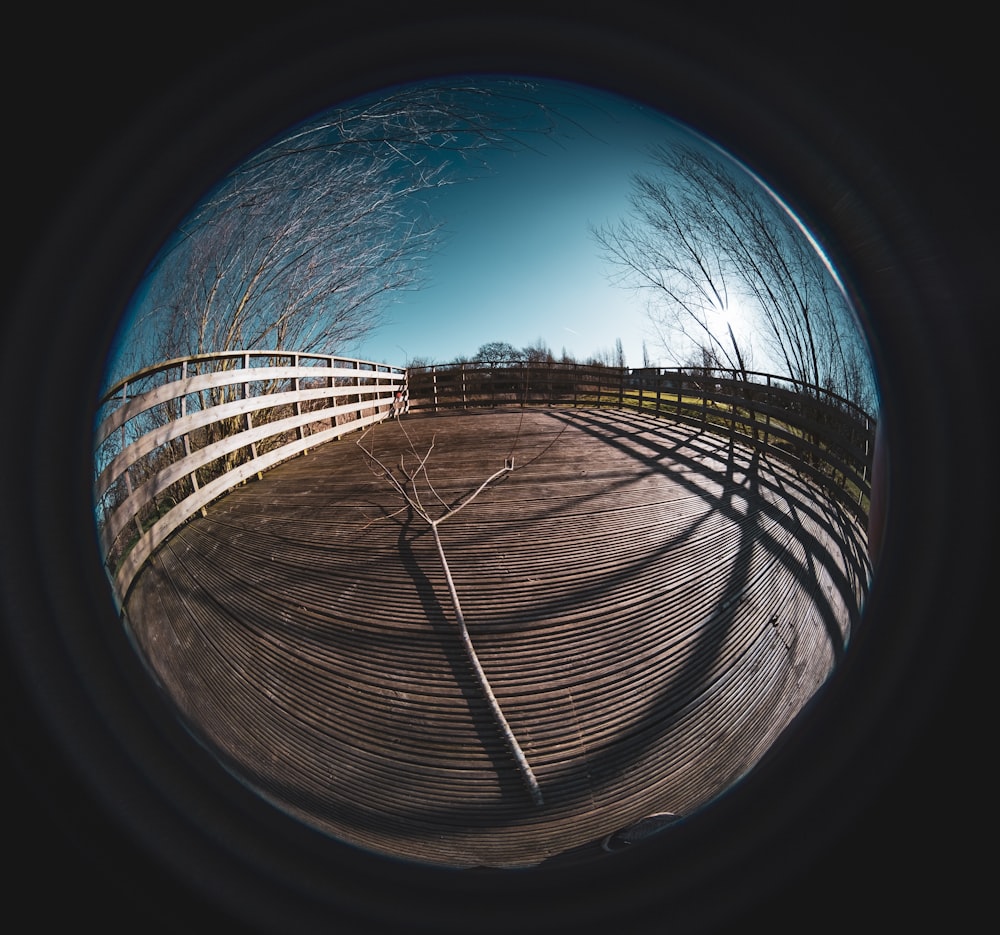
519, 263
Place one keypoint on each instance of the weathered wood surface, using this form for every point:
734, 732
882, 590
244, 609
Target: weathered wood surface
146, 486
651, 606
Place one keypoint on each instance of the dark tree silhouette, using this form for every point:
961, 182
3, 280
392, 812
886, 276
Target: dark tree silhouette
704, 238
498, 352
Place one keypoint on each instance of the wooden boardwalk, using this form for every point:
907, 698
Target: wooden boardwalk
651, 605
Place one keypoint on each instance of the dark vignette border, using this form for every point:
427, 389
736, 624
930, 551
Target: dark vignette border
874, 134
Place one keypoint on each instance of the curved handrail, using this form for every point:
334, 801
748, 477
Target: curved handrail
173, 437
824, 435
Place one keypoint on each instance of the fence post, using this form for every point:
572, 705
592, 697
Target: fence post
331, 383
767, 415
704, 398
733, 403
249, 420
186, 438
126, 473
298, 402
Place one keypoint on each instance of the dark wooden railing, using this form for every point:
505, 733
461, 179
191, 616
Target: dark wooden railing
174, 437
825, 436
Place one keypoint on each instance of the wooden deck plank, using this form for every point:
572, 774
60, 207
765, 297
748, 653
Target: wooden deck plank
651, 605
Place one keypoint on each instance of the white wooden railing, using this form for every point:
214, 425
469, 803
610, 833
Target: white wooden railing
172, 438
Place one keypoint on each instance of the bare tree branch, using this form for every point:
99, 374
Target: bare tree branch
408, 490
701, 237
301, 245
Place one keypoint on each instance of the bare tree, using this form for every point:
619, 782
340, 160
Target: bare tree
300, 245
406, 482
421, 362
298, 261
539, 352
665, 248
704, 239
612, 357
619, 354
497, 352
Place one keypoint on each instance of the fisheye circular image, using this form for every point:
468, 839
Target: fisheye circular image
488, 471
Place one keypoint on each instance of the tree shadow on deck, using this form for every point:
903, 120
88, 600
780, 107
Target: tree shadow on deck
850, 572
569, 791
605, 764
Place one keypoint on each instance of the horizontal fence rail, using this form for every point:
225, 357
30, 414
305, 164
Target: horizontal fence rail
172, 438
823, 435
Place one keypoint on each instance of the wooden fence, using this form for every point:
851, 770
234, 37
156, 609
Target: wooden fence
174, 437
823, 435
